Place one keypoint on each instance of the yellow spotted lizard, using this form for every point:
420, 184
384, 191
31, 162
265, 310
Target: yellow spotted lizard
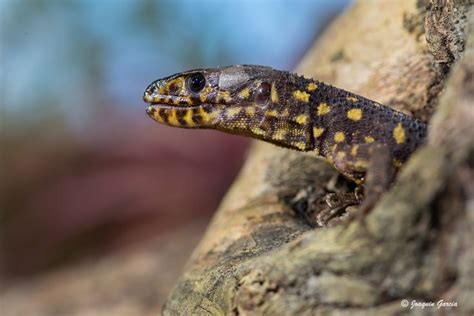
364, 140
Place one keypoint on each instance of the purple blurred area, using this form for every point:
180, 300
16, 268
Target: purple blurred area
121, 182
84, 172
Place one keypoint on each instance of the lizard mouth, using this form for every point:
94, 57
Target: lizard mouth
168, 101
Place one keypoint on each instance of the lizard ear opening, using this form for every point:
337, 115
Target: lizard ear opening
262, 94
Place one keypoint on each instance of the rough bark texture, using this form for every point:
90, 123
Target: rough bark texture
260, 257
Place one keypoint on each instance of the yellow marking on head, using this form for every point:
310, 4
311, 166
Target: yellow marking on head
340, 155
258, 131
397, 163
204, 115
339, 137
354, 150
316, 151
223, 95
399, 134
279, 134
318, 131
177, 82
250, 111
147, 97
285, 113
354, 114
244, 93
272, 113
311, 86
299, 145
369, 139
172, 118
330, 160
323, 109
301, 119
352, 99
188, 117
203, 97
274, 94
301, 96
156, 116
233, 111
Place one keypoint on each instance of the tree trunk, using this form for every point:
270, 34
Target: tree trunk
259, 256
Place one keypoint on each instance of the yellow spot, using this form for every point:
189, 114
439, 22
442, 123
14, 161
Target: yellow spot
188, 117
250, 111
397, 163
244, 93
316, 151
203, 97
369, 139
279, 134
330, 160
224, 95
354, 150
301, 96
299, 145
354, 114
339, 137
317, 131
285, 113
340, 155
172, 118
312, 86
323, 109
360, 164
274, 94
399, 134
204, 115
301, 119
156, 115
178, 82
272, 113
231, 112
147, 97
258, 131
352, 99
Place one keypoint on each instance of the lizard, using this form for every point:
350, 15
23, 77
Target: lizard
365, 141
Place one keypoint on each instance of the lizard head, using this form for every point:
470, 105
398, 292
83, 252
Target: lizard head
242, 99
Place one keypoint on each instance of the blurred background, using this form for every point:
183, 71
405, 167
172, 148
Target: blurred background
85, 175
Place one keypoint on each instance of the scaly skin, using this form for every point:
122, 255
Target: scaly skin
289, 111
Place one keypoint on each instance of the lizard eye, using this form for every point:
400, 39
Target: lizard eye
196, 82
263, 93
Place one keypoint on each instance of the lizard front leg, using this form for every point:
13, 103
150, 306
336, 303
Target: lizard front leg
368, 165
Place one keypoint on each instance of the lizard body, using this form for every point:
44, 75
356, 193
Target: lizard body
289, 111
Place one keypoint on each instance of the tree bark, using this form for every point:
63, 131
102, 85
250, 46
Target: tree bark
259, 256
